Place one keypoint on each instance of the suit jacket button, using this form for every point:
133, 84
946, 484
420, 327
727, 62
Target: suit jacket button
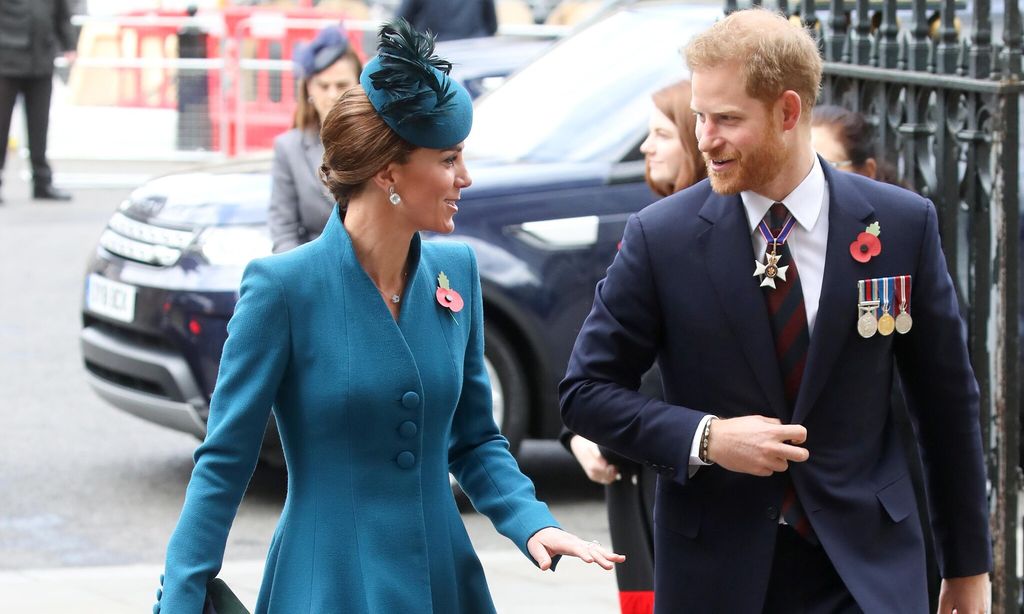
408, 429
772, 512
406, 460
410, 400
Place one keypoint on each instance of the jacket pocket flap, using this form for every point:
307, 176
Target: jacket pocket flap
897, 498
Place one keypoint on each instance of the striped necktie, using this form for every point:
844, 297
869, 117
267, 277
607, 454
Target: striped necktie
788, 318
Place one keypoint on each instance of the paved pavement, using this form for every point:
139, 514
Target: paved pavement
517, 587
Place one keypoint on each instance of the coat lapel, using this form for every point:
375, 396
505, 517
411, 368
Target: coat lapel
729, 259
848, 215
314, 153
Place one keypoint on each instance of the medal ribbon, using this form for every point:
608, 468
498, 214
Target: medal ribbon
783, 234
887, 295
902, 287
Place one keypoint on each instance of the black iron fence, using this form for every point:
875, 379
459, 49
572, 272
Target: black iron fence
941, 82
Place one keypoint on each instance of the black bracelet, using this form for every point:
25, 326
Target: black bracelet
705, 439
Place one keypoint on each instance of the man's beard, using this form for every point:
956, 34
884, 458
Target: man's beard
751, 171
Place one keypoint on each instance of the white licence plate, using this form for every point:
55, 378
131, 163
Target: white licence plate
110, 298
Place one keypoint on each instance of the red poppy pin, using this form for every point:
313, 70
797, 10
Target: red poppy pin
446, 296
867, 245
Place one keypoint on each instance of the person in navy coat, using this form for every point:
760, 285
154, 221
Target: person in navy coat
369, 344
776, 297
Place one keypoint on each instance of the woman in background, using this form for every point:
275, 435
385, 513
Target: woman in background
299, 203
846, 140
672, 162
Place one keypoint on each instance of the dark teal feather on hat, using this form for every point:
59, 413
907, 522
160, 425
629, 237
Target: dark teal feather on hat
410, 88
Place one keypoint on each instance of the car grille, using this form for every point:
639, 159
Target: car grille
128, 381
146, 243
137, 337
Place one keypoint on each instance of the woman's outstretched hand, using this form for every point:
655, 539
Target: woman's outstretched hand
551, 541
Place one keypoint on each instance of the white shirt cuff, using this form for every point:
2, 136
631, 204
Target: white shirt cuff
695, 460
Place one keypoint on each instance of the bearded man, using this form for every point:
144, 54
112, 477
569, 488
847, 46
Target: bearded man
776, 297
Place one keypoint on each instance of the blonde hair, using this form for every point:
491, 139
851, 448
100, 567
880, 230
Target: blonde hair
357, 144
774, 55
674, 102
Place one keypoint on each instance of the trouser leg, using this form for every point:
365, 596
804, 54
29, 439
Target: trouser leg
804, 581
9, 87
38, 91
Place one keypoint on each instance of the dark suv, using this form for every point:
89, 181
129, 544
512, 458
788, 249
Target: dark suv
556, 166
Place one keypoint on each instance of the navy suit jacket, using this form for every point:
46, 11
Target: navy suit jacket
681, 292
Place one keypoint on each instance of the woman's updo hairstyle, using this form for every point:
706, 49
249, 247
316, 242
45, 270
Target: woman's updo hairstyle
357, 144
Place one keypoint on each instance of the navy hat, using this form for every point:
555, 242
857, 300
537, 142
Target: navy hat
411, 90
327, 48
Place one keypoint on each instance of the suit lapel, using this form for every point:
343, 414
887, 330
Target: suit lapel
729, 259
848, 215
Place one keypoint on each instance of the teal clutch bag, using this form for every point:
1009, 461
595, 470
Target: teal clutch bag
220, 599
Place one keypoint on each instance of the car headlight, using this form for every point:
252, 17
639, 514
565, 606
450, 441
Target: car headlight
227, 245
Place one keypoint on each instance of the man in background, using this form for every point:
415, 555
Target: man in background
451, 19
31, 32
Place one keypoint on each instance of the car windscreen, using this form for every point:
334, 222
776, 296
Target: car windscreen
588, 98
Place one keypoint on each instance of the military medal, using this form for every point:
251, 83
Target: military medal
770, 269
903, 320
886, 323
867, 324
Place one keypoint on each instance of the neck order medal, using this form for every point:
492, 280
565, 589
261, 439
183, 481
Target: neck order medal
769, 270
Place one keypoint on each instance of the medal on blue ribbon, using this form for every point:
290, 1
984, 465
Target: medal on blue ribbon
887, 323
770, 269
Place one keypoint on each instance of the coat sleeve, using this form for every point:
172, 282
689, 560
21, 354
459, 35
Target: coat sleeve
254, 360
478, 455
283, 215
617, 344
490, 17
942, 395
62, 26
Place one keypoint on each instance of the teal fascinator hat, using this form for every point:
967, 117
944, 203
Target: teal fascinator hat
412, 91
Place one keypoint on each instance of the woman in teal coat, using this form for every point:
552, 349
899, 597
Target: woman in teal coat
369, 344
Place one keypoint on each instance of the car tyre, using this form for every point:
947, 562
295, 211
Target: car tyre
509, 389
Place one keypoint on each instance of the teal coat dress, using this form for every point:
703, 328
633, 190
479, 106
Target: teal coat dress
373, 414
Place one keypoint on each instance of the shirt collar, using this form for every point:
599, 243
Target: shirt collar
804, 202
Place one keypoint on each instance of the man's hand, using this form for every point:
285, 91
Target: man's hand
757, 445
967, 595
589, 456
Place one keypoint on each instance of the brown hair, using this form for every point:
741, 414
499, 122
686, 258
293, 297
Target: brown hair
774, 55
674, 102
306, 116
357, 144
857, 136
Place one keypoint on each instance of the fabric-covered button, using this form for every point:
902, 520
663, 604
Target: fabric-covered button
410, 400
408, 429
772, 512
406, 460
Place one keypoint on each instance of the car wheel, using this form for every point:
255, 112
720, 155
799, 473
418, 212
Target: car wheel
509, 392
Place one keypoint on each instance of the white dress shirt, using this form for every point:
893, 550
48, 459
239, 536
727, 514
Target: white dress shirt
808, 203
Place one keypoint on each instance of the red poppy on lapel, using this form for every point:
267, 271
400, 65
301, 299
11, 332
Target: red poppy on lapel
446, 297
867, 245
